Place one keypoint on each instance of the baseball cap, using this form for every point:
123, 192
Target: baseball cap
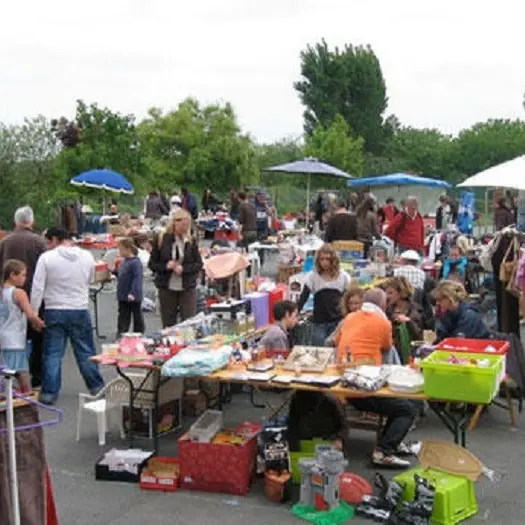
410, 255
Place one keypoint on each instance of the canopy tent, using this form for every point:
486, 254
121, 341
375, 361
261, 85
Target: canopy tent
106, 180
309, 166
510, 174
401, 185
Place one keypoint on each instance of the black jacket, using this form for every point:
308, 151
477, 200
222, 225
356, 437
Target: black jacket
161, 254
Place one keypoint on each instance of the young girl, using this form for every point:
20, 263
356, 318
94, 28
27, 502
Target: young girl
15, 311
129, 288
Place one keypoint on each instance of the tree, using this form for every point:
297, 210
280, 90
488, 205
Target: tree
98, 138
27, 167
489, 143
427, 152
197, 145
347, 82
336, 146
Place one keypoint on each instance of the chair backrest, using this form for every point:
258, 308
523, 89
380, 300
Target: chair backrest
117, 391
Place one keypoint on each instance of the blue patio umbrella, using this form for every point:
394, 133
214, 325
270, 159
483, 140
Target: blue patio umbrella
309, 166
399, 179
108, 180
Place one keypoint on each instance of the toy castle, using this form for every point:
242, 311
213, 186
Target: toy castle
320, 478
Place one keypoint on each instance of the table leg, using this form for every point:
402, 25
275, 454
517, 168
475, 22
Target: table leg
94, 297
457, 425
252, 398
131, 404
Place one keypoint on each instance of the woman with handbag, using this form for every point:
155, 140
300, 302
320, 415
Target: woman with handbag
176, 261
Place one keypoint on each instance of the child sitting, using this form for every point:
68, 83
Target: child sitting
130, 288
15, 311
455, 265
277, 337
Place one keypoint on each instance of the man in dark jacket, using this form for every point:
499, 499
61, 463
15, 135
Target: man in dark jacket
26, 246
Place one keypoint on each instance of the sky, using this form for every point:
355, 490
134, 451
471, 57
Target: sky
447, 64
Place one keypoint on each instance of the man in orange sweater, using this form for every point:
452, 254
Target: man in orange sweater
366, 335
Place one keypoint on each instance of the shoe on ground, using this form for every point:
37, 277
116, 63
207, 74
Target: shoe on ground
47, 399
388, 460
411, 448
96, 391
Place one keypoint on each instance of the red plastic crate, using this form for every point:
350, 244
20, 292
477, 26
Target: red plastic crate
166, 484
473, 346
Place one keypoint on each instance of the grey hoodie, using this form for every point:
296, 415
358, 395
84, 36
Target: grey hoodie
62, 279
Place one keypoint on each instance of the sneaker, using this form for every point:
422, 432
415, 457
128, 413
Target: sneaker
412, 448
47, 399
388, 461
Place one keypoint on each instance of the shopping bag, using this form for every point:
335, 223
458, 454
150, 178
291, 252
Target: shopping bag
510, 262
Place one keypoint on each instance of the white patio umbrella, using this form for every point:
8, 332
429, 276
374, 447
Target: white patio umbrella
510, 174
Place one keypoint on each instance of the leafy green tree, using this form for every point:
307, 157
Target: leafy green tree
336, 146
196, 145
347, 82
98, 138
27, 167
427, 152
489, 143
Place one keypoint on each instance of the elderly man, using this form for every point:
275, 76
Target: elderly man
26, 246
366, 334
409, 270
407, 229
62, 278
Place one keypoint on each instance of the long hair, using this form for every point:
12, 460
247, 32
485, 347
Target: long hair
326, 249
367, 205
402, 286
353, 291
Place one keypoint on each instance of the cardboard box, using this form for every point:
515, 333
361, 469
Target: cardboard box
167, 419
161, 473
217, 468
120, 471
194, 403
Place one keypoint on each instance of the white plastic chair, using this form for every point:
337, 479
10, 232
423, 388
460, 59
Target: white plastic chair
112, 397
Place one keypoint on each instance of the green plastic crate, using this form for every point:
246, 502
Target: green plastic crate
295, 457
455, 496
466, 383
306, 450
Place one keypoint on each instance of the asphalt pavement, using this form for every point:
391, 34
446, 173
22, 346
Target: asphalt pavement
81, 500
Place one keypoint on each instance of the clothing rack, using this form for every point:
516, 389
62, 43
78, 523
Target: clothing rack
16, 400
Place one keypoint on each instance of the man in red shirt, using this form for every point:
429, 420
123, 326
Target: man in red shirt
407, 229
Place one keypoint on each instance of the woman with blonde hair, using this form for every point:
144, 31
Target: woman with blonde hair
456, 318
327, 283
176, 261
406, 315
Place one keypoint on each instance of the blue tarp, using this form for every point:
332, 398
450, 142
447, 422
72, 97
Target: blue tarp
398, 179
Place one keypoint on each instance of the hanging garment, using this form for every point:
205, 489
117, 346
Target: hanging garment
467, 208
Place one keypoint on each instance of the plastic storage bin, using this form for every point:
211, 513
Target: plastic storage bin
455, 496
477, 346
465, 383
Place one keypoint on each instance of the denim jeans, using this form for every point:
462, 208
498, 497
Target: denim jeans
74, 325
400, 414
321, 331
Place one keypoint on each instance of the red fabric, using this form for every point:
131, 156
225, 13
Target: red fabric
407, 232
389, 211
51, 511
276, 295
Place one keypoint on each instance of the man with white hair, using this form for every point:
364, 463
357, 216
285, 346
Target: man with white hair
407, 229
26, 246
